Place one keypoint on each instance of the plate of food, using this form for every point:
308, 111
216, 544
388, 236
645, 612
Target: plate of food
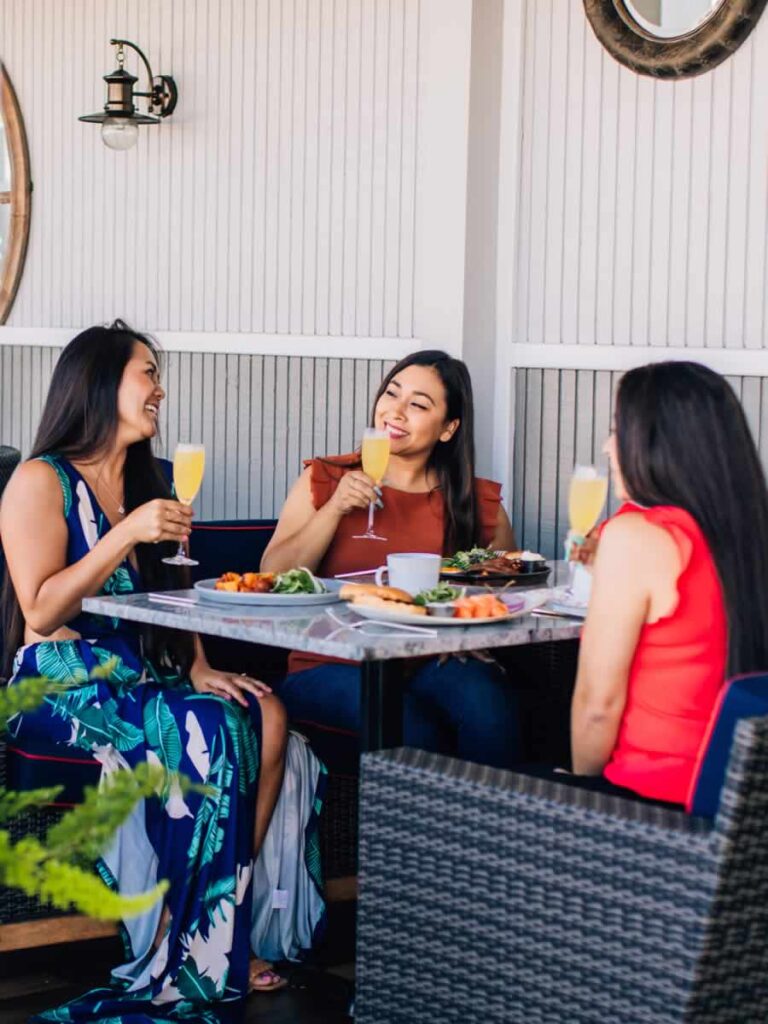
286, 589
484, 565
443, 606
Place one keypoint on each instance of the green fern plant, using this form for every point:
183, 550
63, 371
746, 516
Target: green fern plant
60, 870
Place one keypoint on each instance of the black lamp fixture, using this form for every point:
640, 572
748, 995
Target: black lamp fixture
120, 120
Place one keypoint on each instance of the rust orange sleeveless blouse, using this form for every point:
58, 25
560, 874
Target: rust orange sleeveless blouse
410, 522
676, 673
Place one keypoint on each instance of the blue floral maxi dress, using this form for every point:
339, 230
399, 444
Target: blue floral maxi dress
203, 844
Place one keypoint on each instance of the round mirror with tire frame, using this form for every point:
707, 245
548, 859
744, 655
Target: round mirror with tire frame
672, 38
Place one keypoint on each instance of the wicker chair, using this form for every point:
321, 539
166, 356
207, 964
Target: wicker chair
489, 896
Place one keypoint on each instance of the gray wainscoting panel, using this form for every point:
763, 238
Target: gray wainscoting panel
258, 416
562, 417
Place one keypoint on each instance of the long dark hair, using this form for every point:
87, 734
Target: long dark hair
80, 421
453, 461
682, 439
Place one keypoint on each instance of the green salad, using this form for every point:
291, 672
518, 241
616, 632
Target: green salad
440, 594
298, 581
466, 559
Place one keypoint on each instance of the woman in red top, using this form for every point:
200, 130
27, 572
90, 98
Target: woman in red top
433, 502
680, 591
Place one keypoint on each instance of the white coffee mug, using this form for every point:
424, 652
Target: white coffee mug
411, 571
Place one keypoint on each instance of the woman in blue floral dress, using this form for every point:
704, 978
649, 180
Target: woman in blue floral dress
91, 513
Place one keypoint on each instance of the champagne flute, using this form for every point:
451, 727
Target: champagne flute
375, 456
586, 497
188, 466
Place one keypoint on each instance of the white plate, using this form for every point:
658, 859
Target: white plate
208, 592
428, 621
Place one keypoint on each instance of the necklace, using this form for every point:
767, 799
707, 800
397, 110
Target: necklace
118, 504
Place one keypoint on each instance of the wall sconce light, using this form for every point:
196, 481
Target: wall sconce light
120, 120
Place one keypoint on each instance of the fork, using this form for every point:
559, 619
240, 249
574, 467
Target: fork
397, 626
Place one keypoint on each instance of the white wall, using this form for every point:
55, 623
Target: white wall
482, 220
300, 188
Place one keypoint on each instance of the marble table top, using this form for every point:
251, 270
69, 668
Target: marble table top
325, 629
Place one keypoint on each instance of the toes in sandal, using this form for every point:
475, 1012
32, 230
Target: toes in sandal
266, 979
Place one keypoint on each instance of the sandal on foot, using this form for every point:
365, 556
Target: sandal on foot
262, 977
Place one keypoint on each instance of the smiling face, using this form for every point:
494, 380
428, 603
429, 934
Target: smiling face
413, 411
139, 396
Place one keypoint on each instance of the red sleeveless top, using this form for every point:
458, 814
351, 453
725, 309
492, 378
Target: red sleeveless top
410, 522
676, 673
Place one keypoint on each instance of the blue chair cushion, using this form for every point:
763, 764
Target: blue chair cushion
338, 749
235, 545
226, 545
741, 697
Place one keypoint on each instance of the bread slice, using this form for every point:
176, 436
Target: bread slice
356, 591
372, 601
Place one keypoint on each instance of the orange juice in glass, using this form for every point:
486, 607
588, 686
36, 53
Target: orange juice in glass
586, 497
188, 468
375, 458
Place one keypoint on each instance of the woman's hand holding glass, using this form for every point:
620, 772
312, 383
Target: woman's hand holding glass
355, 490
159, 520
585, 552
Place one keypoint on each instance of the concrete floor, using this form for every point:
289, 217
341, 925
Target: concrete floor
35, 980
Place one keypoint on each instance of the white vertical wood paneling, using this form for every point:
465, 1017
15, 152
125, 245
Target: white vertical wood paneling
258, 416
607, 195
644, 209
281, 195
662, 215
567, 285
682, 161
713, 292
444, 33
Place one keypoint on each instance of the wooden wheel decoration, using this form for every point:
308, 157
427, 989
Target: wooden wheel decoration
16, 200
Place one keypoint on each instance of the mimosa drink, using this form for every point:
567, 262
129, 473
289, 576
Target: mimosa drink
585, 502
375, 455
589, 489
188, 466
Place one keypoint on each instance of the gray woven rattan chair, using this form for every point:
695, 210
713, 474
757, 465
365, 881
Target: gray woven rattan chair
487, 896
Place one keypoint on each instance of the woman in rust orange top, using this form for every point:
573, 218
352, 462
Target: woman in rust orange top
680, 591
432, 502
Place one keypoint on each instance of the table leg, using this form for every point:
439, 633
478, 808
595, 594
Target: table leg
381, 705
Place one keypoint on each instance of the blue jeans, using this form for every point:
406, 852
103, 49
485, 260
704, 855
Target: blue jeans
467, 709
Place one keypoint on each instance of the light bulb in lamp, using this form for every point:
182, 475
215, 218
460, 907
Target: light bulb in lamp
119, 133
